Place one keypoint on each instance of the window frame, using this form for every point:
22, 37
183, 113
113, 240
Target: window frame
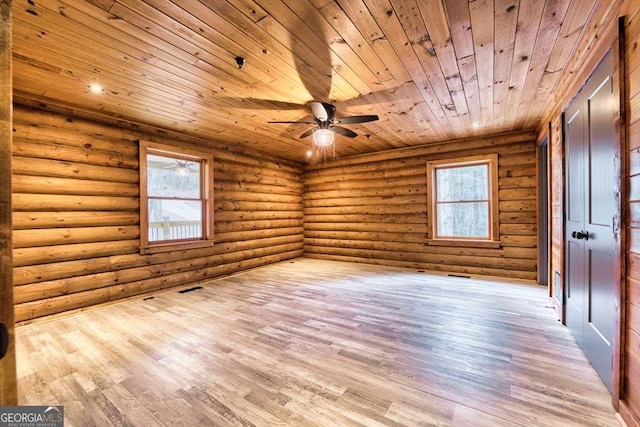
206, 195
491, 160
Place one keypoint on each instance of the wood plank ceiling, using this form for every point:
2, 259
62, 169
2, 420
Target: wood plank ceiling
432, 70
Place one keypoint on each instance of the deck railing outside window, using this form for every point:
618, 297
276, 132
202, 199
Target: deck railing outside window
174, 230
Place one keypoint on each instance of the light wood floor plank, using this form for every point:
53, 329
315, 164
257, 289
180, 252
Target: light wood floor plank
314, 342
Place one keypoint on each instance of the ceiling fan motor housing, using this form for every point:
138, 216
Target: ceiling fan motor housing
324, 115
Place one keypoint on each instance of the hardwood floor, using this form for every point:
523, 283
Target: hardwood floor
317, 342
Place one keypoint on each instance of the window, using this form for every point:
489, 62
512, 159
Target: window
462, 200
176, 198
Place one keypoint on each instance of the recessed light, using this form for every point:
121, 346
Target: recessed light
309, 153
476, 125
95, 88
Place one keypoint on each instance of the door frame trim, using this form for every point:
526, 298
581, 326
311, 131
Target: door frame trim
544, 141
620, 141
8, 381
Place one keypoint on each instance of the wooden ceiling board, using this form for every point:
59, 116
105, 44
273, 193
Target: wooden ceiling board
529, 21
437, 69
432, 70
349, 34
482, 26
550, 25
506, 19
572, 30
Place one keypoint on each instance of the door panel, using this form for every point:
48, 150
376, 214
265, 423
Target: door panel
575, 166
601, 271
591, 203
575, 289
598, 332
601, 151
574, 150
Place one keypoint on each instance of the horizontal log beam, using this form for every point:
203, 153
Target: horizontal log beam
57, 253
381, 220
57, 236
367, 226
85, 154
367, 235
246, 196
57, 168
69, 186
247, 206
38, 202
235, 236
231, 226
378, 209
35, 220
388, 191
389, 202
221, 183
417, 176
257, 215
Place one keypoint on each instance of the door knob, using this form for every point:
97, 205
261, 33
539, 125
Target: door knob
4, 340
580, 235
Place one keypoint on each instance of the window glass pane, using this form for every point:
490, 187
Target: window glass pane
462, 183
463, 219
168, 177
174, 219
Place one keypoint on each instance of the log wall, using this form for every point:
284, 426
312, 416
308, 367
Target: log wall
373, 209
76, 218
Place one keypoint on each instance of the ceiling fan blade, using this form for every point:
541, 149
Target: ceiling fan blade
357, 119
343, 131
295, 123
309, 132
319, 111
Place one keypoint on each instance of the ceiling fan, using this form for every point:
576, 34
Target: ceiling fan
325, 124
182, 168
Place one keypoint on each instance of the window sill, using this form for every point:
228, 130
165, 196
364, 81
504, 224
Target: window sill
175, 246
492, 244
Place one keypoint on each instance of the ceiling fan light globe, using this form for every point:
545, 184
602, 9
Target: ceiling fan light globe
182, 171
323, 138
